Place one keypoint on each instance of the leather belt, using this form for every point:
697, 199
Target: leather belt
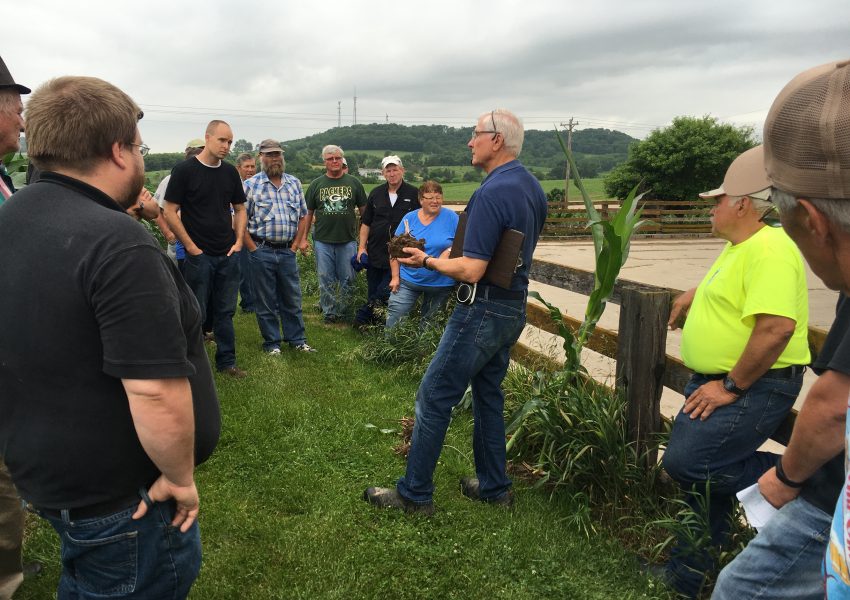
494, 292
100, 509
273, 245
789, 372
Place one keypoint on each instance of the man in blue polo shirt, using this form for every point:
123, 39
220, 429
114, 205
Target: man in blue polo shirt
475, 347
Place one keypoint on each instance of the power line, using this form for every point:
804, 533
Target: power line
409, 118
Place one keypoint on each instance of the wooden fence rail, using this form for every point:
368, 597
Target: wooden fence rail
639, 345
569, 219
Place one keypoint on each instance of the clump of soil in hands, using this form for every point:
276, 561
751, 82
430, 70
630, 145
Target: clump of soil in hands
397, 244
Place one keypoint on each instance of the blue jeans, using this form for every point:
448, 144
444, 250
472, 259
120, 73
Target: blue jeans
116, 557
378, 291
336, 277
402, 301
475, 348
246, 284
277, 286
723, 449
783, 562
215, 279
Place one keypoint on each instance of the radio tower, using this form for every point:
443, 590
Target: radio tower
339, 113
355, 105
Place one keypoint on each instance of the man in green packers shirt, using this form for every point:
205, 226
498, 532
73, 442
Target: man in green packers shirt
332, 198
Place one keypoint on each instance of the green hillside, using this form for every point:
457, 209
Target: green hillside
435, 151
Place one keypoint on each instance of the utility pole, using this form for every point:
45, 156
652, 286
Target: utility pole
387, 116
339, 113
572, 124
355, 105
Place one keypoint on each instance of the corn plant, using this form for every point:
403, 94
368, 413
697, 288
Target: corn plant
15, 163
611, 243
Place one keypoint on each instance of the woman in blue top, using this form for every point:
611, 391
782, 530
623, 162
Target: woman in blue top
437, 225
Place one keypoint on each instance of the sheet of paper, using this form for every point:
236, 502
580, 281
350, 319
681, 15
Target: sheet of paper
758, 510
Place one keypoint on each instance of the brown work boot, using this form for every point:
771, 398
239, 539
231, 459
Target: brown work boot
469, 487
234, 372
390, 498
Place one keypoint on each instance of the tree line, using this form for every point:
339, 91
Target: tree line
429, 151
672, 163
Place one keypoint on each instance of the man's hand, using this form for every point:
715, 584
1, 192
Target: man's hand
302, 245
680, 308
194, 251
361, 250
394, 284
235, 248
186, 497
706, 399
415, 258
774, 491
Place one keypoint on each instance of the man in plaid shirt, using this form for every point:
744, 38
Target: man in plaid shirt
277, 228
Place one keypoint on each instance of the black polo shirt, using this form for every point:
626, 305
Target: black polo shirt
88, 298
383, 218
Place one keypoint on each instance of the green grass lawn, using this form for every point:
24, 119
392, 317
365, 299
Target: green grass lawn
281, 508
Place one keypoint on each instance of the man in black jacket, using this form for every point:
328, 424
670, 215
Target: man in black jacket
11, 513
385, 208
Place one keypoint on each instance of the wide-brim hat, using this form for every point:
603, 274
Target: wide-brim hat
7, 82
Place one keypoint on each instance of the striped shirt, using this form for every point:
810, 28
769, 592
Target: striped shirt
273, 213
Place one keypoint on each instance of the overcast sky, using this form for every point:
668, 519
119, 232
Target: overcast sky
278, 69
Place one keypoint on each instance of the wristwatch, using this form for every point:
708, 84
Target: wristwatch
730, 386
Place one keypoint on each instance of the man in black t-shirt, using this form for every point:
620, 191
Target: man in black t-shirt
102, 426
204, 189
807, 157
385, 207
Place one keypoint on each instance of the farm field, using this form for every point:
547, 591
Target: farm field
453, 192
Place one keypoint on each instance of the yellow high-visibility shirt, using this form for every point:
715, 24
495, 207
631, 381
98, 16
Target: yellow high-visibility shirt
761, 275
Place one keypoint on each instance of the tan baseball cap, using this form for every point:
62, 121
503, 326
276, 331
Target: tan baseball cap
196, 143
270, 146
744, 177
807, 134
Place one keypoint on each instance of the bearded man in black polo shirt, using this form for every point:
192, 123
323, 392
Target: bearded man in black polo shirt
108, 400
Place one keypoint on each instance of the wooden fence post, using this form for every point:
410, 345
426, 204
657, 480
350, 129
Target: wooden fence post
641, 350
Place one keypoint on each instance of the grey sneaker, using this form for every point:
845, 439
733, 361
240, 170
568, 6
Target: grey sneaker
273, 352
304, 348
390, 498
469, 487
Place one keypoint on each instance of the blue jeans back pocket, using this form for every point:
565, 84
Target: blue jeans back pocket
106, 566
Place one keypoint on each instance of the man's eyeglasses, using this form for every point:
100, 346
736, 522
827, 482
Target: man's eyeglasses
494, 131
272, 154
143, 148
770, 210
332, 158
